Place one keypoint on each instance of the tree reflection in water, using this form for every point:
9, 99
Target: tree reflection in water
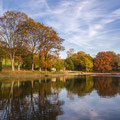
29, 102
39, 99
107, 86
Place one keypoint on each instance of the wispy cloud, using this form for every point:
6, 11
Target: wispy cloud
1, 7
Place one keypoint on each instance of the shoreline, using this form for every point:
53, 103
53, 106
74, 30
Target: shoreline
22, 74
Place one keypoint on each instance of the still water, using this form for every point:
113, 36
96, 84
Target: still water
61, 98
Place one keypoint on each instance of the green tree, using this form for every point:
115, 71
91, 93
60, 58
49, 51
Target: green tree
88, 64
58, 64
82, 61
69, 64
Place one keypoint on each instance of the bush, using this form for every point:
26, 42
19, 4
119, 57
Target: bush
0, 66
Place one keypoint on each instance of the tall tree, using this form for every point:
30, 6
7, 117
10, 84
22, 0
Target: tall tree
50, 44
8, 36
28, 32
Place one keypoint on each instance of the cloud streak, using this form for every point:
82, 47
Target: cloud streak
1, 7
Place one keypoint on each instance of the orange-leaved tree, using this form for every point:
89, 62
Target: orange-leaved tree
102, 62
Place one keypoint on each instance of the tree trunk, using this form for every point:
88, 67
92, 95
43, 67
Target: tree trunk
40, 69
32, 66
18, 67
5, 60
13, 63
46, 69
12, 86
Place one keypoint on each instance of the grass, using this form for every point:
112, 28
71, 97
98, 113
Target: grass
27, 73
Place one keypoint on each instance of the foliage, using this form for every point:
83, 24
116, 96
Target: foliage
28, 31
115, 60
19, 34
69, 64
30, 44
50, 44
103, 61
27, 61
80, 61
40, 39
58, 64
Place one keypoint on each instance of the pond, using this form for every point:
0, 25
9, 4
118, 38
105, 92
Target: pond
61, 98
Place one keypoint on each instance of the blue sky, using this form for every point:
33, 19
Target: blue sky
86, 25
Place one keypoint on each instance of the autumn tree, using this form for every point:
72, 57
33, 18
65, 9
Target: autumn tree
8, 36
102, 62
50, 44
28, 31
115, 60
20, 52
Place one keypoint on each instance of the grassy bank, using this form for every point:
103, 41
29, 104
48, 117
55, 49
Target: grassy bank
28, 74
16, 73
98, 73
35, 73
47, 73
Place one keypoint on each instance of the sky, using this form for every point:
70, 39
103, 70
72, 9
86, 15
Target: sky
86, 25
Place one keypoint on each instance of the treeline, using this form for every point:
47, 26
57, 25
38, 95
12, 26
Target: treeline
103, 62
32, 45
27, 42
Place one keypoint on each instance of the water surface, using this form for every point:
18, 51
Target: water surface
61, 98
